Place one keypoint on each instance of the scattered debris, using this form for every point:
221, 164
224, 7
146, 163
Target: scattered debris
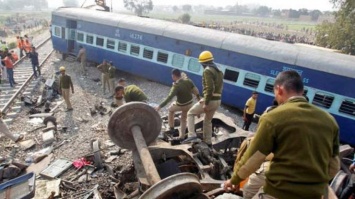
37, 168
56, 168
35, 121
47, 188
27, 144
48, 137
41, 115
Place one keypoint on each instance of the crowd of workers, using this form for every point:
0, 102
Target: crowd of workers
268, 162
287, 132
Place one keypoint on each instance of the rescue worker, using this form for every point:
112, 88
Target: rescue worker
33, 55
82, 58
112, 74
9, 69
27, 46
19, 45
131, 93
23, 52
182, 88
4, 130
104, 69
292, 133
2, 67
119, 101
65, 84
249, 110
212, 82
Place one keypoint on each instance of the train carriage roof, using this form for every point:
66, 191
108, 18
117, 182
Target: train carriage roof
300, 55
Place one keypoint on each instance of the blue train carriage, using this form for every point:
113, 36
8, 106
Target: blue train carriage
151, 48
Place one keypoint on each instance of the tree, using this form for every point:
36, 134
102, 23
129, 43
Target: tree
263, 11
293, 14
139, 7
340, 34
175, 8
276, 13
185, 18
315, 14
187, 8
71, 3
303, 11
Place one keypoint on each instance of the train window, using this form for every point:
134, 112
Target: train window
348, 107
269, 87
251, 80
178, 60
147, 53
194, 65
57, 31
100, 41
162, 57
80, 37
231, 75
111, 44
89, 39
323, 100
122, 46
135, 50
72, 34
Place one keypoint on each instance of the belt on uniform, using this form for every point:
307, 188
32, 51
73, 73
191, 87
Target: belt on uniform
216, 95
184, 104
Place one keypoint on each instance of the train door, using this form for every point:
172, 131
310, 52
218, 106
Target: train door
71, 27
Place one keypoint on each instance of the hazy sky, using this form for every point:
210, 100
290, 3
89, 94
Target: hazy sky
277, 4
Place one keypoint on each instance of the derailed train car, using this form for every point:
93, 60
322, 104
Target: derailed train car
152, 48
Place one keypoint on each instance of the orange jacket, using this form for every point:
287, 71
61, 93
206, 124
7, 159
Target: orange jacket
27, 46
19, 44
8, 62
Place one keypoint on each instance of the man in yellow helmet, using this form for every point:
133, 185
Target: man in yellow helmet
65, 84
212, 82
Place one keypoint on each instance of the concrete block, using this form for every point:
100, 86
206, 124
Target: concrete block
8, 121
48, 137
11, 115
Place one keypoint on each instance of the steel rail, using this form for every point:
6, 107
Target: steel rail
23, 87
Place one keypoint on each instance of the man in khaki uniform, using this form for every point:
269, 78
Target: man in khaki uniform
104, 69
182, 89
249, 110
119, 101
131, 93
82, 59
112, 74
212, 82
65, 84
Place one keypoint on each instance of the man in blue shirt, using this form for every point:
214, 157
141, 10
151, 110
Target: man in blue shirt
33, 55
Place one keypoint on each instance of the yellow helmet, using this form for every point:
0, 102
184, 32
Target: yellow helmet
205, 56
62, 68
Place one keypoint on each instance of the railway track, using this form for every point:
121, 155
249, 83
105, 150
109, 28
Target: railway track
10, 104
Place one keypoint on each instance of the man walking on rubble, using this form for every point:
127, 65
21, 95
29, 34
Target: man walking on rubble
182, 88
82, 58
104, 69
249, 110
212, 82
65, 84
33, 55
304, 140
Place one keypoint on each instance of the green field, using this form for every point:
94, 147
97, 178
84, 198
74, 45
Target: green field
202, 18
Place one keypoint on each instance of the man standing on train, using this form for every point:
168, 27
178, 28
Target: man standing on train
82, 58
304, 140
182, 88
212, 82
249, 110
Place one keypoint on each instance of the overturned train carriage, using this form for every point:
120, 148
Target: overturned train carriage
151, 48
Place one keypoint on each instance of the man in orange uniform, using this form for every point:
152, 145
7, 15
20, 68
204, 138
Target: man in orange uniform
10, 69
27, 46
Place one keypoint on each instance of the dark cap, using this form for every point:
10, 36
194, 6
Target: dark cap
255, 92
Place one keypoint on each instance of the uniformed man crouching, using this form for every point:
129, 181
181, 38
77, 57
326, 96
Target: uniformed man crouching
182, 89
131, 93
